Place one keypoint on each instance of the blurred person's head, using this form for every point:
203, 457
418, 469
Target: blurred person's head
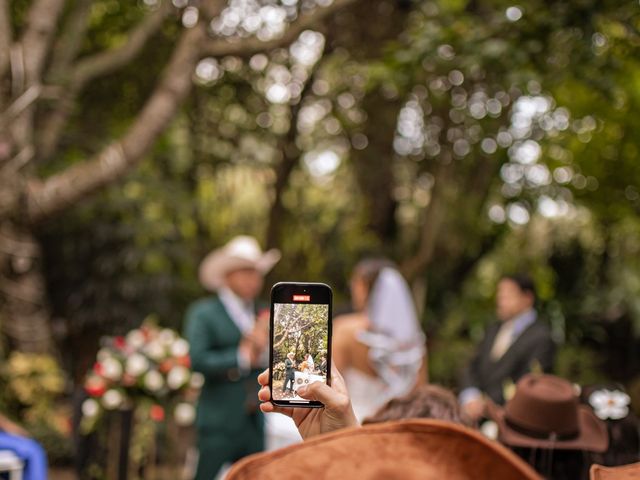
612, 404
363, 278
515, 294
245, 283
240, 265
545, 424
426, 401
290, 356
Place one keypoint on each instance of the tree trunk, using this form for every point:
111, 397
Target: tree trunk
26, 199
25, 310
374, 165
364, 29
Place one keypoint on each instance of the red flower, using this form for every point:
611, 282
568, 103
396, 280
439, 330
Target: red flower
166, 366
119, 342
97, 368
156, 413
184, 361
95, 386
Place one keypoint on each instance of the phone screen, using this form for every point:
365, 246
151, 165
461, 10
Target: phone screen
300, 340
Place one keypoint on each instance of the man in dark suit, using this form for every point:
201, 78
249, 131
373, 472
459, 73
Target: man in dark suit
289, 373
323, 365
512, 347
227, 345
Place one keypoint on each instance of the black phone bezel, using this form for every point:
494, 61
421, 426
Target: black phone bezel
283, 292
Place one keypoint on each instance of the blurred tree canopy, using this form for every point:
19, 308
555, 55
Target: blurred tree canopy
463, 139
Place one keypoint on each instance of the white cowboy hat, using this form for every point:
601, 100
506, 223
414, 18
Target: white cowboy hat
241, 252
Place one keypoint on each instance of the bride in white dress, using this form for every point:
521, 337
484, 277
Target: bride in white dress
380, 349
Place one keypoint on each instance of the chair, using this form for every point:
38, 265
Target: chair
11, 464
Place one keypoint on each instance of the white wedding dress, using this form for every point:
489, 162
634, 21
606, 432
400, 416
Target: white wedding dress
280, 431
396, 346
367, 393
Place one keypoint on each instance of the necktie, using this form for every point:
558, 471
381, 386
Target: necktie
503, 340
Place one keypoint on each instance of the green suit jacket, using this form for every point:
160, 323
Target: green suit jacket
228, 401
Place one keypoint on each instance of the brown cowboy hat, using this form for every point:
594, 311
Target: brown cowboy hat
545, 413
240, 252
624, 472
408, 449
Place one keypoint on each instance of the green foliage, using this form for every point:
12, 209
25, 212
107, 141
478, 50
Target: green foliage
31, 387
458, 78
300, 329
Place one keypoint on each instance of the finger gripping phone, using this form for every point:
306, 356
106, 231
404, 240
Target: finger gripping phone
300, 341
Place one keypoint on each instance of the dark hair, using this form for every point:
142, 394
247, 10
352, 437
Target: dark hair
426, 401
624, 433
368, 269
525, 283
557, 464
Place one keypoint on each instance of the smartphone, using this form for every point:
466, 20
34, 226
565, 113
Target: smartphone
300, 341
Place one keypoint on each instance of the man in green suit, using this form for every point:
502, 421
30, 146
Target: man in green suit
228, 346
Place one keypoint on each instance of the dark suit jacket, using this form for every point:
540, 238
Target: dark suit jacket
290, 370
533, 346
228, 400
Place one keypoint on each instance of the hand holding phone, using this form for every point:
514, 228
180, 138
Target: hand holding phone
299, 341
336, 414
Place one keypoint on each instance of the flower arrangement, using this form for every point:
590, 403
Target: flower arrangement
149, 365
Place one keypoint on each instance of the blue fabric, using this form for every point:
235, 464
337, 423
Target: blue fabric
30, 452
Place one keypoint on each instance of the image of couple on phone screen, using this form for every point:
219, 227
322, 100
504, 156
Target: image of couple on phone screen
299, 356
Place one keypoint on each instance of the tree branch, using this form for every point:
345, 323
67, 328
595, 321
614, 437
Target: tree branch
434, 217
110, 60
287, 334
290, 158
92, 67
45, 199
38, 36
246, 47
71, 39
76, 182
5, 37
19, 105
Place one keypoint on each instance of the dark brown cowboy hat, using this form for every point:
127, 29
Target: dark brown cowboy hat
545, 413
624, 472
409, 449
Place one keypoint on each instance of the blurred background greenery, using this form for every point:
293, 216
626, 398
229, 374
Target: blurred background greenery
463, 139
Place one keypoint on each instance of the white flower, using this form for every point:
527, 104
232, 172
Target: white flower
197, 380
177, 377
610, 404
90, 407
155, 350
135, 338
180, 348
153, 381
167, 336
112, 399
490, 429
104, 354
136, 365
111, 369
184, 414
